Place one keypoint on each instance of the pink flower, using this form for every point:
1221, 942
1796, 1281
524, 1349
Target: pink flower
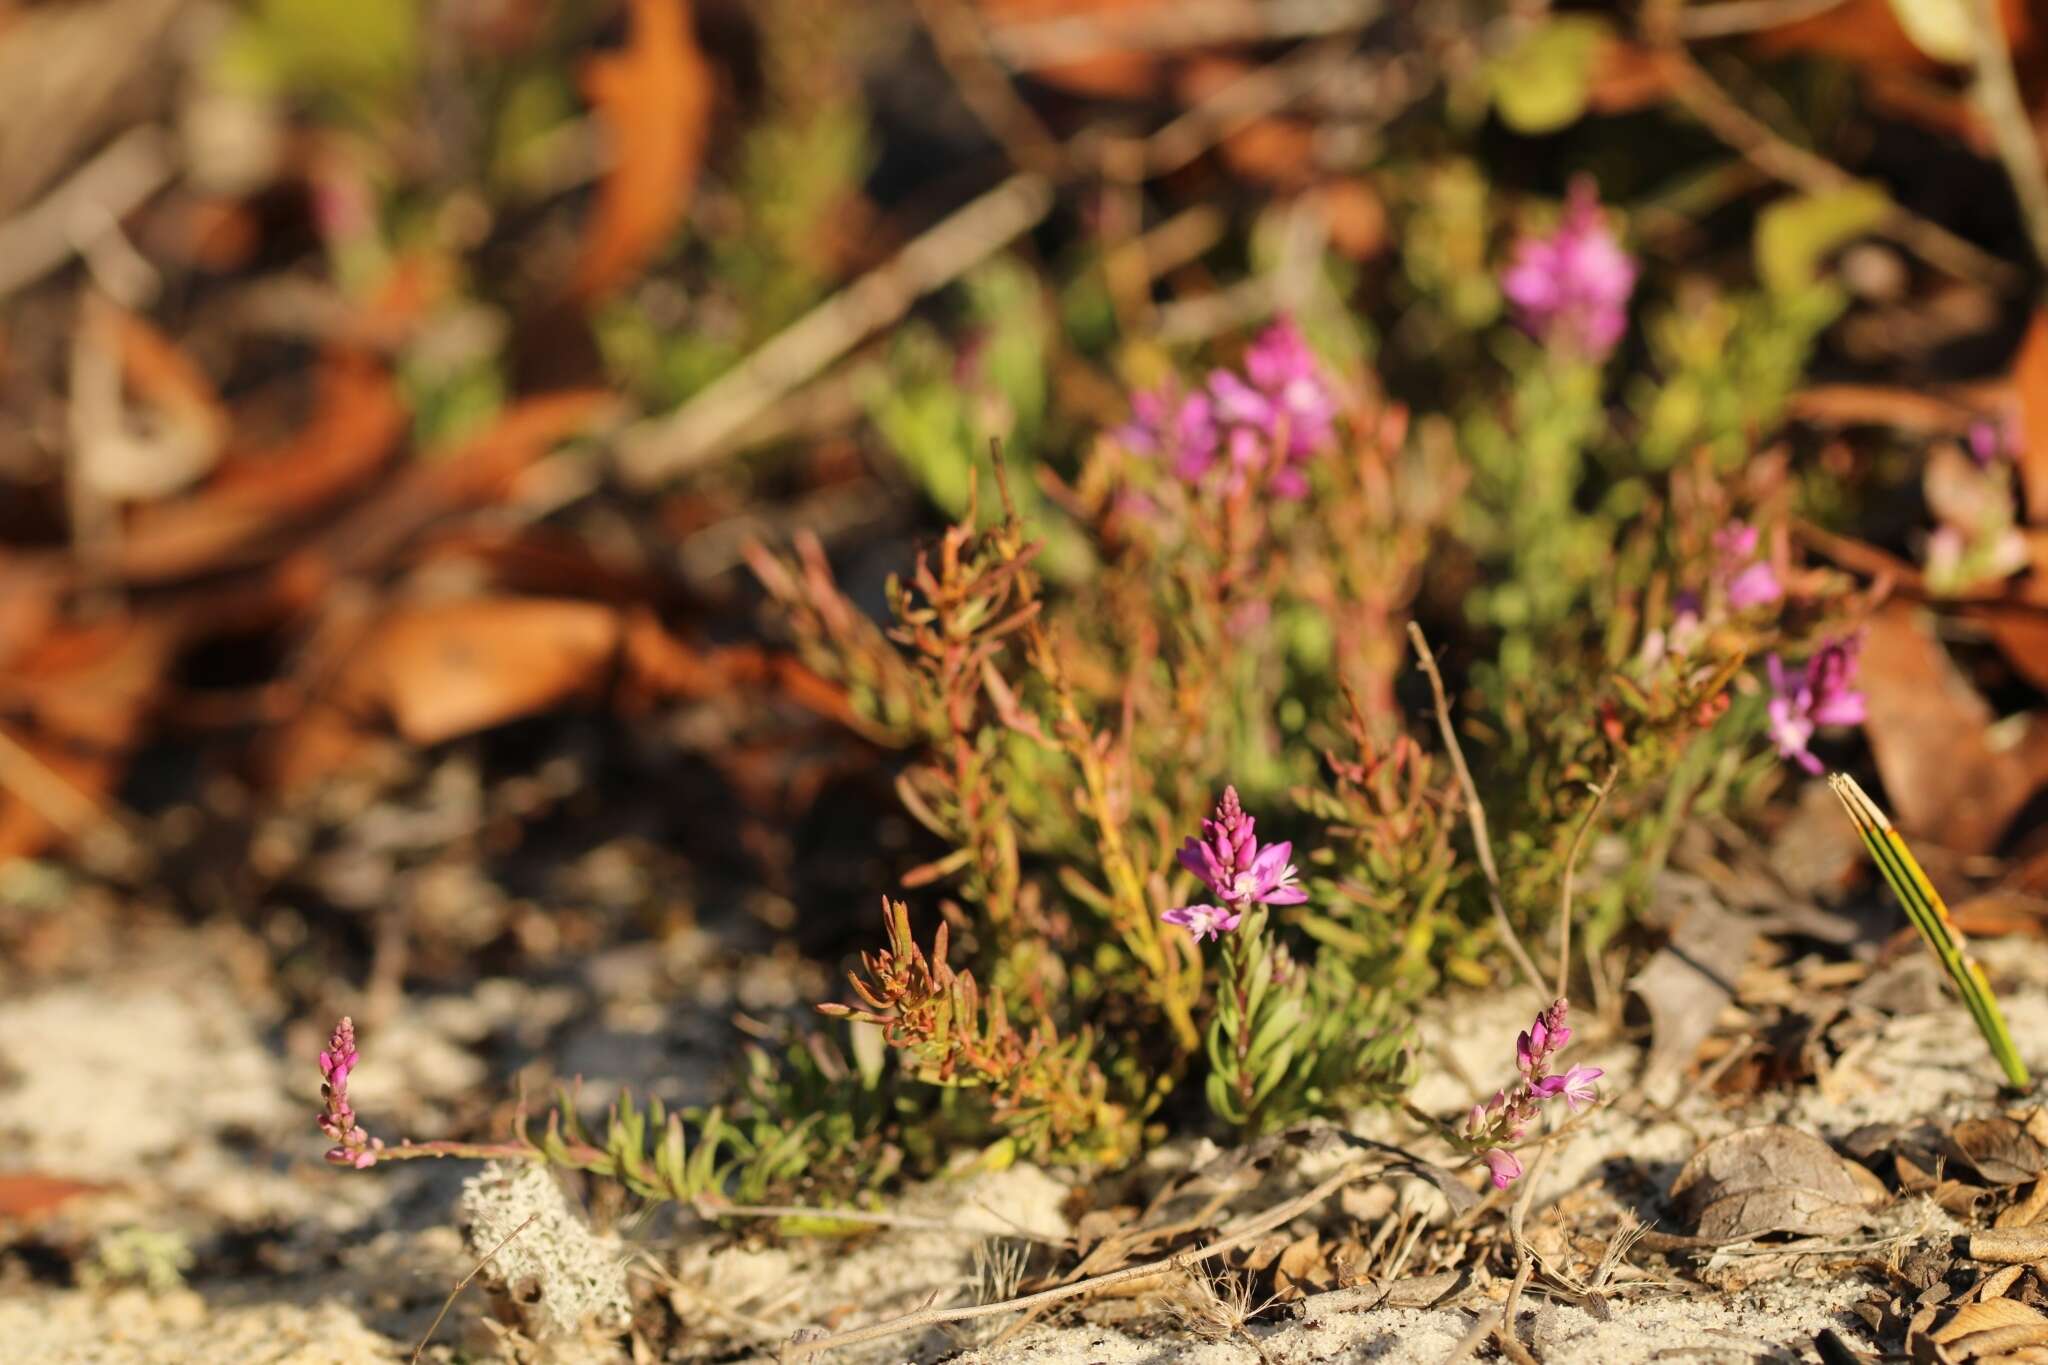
1824, 693
1574, 1086
1505, 1166
352, 1146
1571, 288
1748, 578
1237, 869
1180, 427
1543, 1038
1279, 414
1203, 921
1993, 439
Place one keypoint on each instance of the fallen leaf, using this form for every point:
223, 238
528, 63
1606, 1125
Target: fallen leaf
654, 99
1928, 731
1107, 72
1774, 1179
454, 668
25, 1197
1998, 1149
2030, 386
1688, 981
1990, 1315
356, 424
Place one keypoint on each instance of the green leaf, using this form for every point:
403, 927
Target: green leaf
1924, 907
1796, 232
1541, 85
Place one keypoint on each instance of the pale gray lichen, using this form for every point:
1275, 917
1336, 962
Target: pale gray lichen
563, 1276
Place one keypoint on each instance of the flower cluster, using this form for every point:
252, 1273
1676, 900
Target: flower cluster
1977, 541
352, 1146
1506, 1117
1571, 289
1237, 869
1823, 693
1263, 425
1744, 575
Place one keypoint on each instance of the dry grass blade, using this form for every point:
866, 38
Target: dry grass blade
463, 1284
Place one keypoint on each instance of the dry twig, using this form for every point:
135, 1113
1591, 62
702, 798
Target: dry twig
661, 448
2019, 146
104, 190
1474, 812
1251, 1231
1571, 867
463, 1284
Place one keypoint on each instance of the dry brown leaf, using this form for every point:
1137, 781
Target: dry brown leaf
1688, 981
1107, 74
1927, 729
1986, 1316
1774, 1179
654, 99
1866, 33
357, 421
25, 1197
452, 669
2028, 1211
2030, 386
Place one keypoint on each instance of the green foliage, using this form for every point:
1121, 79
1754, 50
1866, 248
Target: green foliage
1797, 232
361, 58
1541, 84
1727, 365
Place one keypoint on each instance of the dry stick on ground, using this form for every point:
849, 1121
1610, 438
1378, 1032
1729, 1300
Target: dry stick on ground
711, 1209
1998, 95
1255, 1228
1571, 867
1029, 44
1718, 112
463, 1284
1474, 812
662, 448
105, 189
984, 87
1747, 16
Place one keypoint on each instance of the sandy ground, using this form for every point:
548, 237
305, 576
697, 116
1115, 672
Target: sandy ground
178, 1090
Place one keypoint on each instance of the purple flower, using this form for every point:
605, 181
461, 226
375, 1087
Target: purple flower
1824, 693
1279, 414
1571, 288
1747, 577
352, 1146
1575, 1086
1203, 921
1543, 1038
1237, 869
1505, 1166
1992, 440
1180, 427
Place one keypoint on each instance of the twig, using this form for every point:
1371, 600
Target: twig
74, 813
1511, 1345
1998, 95
107, 188
927, 1317
1170, 26
1477, 1333
962, 46
1474, 812
662, 448
1718, 112
1571, 867
456, 1292
1747, 16
712, 1209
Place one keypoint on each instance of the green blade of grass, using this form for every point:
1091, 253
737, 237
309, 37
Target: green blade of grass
1923, 905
